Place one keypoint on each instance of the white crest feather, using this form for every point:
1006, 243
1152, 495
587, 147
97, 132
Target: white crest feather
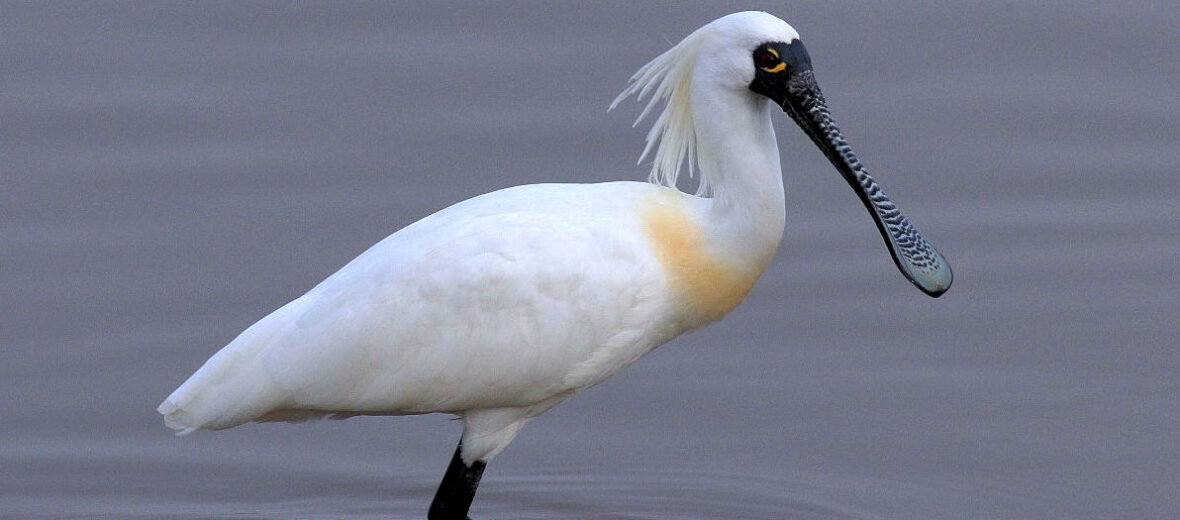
668, 79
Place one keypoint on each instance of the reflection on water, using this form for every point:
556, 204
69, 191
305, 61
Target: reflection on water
540, 495
170, 174
715, 496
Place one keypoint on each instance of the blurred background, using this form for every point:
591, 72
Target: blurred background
170, 173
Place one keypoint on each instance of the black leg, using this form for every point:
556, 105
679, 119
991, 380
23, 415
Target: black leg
453, 498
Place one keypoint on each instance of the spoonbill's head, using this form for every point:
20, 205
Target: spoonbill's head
763, 56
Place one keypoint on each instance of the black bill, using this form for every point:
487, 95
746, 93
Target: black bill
795, 89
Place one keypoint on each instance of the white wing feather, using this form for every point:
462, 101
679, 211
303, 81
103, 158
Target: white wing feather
504, 300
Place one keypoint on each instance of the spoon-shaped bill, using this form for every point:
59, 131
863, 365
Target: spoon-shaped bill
914, 256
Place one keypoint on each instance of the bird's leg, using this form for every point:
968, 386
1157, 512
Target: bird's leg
453, 498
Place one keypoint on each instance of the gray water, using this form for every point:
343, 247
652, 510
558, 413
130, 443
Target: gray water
171, 173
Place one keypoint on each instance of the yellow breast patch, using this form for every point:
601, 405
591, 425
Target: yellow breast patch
707, 284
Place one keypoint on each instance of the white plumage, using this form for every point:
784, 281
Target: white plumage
501, 306
513, 299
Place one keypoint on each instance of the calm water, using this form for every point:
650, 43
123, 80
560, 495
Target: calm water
168, 175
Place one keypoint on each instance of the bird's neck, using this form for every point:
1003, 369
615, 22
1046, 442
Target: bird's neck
738, 155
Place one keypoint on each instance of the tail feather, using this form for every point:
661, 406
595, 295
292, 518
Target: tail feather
233, 386
176, 418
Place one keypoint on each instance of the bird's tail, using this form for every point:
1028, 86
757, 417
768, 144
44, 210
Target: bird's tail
233, 386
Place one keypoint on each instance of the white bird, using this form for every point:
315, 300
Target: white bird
502, 306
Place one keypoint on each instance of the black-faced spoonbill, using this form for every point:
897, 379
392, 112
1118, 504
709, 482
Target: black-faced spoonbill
502, 306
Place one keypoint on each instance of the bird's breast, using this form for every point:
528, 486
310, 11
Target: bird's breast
706, 283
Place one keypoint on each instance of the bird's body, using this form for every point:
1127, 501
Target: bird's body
499, 307
510, 301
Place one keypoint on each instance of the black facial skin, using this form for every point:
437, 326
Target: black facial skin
783, 74
774, 84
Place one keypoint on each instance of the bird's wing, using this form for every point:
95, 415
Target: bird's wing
490, 303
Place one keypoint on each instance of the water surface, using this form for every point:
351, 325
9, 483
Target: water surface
170, 174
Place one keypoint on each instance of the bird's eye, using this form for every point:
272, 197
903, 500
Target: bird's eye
768, 59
